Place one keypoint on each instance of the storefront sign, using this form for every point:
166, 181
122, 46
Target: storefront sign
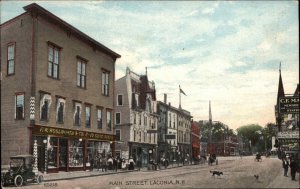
289, 105
41, 130
288, 135
170, 136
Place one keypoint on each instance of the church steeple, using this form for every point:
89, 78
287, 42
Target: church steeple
280, 92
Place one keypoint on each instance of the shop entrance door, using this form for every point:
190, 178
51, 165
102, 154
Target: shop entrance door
63, 154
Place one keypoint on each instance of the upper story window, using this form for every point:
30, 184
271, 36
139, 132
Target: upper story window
77, 113
108, 119
60, 110
105, 82
120, 100
118, 118
99, 118
11, 59
44, 106
81, 73
20, 98
88, 116
53, 60
118, 135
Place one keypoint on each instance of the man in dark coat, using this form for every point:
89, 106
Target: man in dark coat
285, 165
293, 166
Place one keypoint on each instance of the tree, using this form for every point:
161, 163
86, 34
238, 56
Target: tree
250, 133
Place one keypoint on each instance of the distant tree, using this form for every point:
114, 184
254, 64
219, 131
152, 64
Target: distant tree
251, 132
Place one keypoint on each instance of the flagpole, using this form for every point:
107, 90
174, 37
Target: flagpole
179, 98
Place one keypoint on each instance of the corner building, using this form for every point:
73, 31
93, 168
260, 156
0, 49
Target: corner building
57, 91
136, 118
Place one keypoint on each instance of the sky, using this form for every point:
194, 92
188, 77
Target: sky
226, 52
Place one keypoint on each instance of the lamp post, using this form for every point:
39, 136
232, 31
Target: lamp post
46, 155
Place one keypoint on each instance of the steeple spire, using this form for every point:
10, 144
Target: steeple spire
280, 92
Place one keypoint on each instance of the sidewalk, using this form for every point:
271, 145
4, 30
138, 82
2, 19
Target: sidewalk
285, 182
95, 172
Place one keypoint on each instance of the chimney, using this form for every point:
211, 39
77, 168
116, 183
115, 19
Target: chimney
165, 98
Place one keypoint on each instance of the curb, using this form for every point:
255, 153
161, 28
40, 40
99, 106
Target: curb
95, 175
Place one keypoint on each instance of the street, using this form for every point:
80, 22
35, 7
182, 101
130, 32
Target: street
237, 173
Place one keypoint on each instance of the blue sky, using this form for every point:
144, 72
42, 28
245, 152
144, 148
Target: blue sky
223, 51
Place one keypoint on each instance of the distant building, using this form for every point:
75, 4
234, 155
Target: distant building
57, 91
167, 131
195, 140
136, 118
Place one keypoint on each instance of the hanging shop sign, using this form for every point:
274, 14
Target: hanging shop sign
42, 130
289, 105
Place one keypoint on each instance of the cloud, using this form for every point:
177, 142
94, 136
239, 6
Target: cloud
226, 52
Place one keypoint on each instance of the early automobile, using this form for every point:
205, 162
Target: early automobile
20, 171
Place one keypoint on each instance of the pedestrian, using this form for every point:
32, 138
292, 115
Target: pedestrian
99, 162
131, 163
104, 164
115, 164
293, 166
285, 165
110, 163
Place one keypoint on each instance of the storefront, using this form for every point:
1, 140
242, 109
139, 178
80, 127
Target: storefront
142, 153
61, 149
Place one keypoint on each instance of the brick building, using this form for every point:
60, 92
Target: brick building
136, 118
195, 140
57, 89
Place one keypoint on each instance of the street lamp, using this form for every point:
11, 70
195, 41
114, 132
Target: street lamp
46, 155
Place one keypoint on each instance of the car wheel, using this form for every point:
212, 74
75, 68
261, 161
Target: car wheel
39, 179
18, 181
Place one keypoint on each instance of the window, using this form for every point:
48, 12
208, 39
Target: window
88, 116
60, 109
81, 73
20, 106
75, 153
44, 106
105, 83
77, 114
11, 59
134, 118
108, 119
140, 119
118, 135
99, 118
145, 120
120, 100
118, 118
53, 61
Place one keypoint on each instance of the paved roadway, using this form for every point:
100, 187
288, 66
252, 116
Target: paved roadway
238, 173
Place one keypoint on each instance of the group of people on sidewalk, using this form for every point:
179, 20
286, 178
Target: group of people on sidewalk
286, 163
113, 163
